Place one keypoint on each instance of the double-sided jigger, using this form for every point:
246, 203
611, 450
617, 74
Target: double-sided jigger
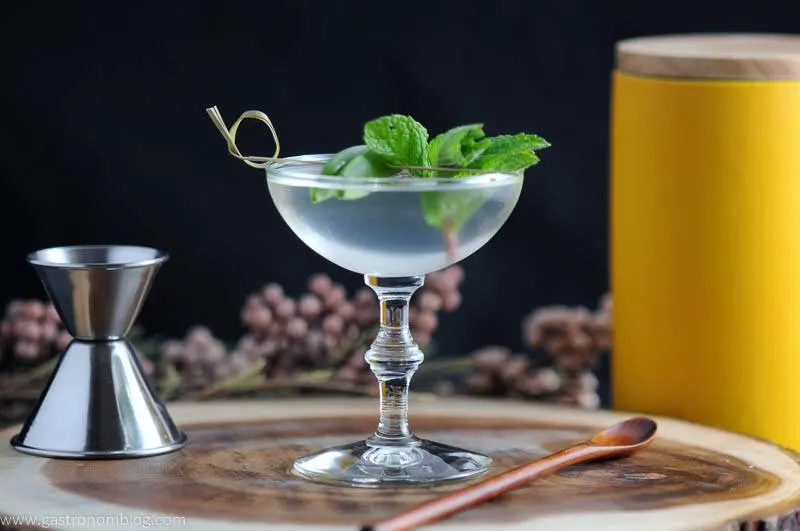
98, 404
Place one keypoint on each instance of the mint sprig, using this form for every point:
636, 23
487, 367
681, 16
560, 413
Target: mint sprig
466, 147
396, 142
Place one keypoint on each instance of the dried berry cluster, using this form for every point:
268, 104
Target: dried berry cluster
441, 291
329, 330
571, 338
322, 329
295, 335
30, 333
199, 358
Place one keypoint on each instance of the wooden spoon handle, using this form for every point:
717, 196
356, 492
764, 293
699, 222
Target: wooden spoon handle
448, 504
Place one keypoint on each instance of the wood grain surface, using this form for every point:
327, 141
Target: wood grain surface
712, 56
234, 475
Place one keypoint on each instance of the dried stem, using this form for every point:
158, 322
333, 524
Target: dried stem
460, 363
364, 338
450, 239
289, 384
318, 380
236, 381
27, 395
18, 383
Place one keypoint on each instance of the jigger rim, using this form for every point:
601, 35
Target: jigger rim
39, 257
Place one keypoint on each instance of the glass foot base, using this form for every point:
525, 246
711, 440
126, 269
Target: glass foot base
364, 464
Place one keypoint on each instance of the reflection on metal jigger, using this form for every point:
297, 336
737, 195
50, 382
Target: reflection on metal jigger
98, 404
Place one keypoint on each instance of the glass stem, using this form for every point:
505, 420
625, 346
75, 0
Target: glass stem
394, 357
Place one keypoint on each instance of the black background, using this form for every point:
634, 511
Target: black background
105, 138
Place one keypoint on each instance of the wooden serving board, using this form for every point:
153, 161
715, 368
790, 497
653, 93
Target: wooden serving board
233, 474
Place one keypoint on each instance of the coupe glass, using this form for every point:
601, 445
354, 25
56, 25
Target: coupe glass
394, 231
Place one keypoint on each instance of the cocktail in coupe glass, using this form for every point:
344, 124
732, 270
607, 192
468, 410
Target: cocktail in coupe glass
381, 228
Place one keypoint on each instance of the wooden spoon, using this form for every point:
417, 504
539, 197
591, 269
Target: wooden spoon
619, 440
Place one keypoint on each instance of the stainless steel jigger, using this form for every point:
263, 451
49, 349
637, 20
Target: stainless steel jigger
97, 404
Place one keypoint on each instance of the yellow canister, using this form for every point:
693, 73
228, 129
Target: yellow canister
705, 231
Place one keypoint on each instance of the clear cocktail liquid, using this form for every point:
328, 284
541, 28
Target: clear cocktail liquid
385, 233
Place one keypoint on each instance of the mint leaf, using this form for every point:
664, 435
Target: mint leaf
458, 147
449, 210
321, 194
317, 195
400, 140
368, 164
355, 161
335, 165
507, 153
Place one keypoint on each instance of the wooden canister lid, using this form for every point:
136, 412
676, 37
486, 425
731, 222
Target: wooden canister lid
712, 56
